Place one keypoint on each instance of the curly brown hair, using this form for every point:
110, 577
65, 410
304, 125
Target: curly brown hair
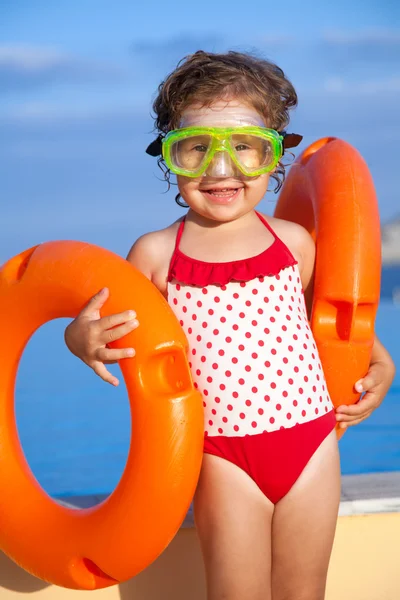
204, 77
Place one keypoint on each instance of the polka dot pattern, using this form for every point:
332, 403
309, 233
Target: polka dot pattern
253, 356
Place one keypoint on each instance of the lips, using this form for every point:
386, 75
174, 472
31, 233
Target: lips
222, 189
222, 192
222, 195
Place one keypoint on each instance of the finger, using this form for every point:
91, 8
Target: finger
110, 335
353, 409
371, 380
95, 303
358, 386
368, 402
115, 354
113, 320
352, 423
352, 418
102, 372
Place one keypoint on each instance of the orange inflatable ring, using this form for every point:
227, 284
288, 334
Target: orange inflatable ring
111, 542
329, 190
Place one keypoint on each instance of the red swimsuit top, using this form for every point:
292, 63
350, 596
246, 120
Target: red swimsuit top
197, 272
252, 352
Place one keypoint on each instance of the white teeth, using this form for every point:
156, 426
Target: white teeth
222, 191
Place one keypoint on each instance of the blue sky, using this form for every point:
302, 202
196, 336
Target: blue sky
76, 83
77, 80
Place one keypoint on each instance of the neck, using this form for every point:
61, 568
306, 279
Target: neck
203, 222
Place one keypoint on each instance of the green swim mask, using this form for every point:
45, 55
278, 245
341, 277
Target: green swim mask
222, 151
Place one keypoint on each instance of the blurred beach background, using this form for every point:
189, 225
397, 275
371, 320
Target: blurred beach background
76, 84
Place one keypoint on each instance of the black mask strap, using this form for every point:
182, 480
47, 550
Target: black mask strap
290, 140
154, 149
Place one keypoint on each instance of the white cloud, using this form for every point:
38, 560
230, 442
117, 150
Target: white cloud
31, 112
54, 150
277, 38
23, 66
390, 84
339, 85
384, 36
31, 58
334, 84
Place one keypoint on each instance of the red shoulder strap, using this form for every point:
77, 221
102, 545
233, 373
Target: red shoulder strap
267, 225
179, 234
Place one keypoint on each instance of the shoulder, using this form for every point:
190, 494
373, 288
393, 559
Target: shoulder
300, 243
296, 238
152, 251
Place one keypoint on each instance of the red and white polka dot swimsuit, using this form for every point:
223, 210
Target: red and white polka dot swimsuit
254, 358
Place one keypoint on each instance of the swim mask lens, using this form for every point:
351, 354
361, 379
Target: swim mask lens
252, 150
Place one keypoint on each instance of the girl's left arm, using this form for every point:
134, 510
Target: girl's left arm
381, 372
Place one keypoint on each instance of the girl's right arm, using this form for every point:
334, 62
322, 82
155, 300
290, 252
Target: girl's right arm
88, 334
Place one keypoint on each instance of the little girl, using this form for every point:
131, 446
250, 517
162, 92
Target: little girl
267, 500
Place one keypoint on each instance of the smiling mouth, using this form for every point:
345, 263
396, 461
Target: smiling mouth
221, 192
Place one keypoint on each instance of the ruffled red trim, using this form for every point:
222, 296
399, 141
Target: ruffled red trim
197, 272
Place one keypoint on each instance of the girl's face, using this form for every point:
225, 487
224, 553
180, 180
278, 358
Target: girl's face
215, 197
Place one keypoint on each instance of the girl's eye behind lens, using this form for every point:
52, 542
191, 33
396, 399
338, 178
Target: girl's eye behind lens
200, 148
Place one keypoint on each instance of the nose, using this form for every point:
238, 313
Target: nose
222, 166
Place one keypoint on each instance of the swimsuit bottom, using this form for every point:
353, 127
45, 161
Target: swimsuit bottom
274, 460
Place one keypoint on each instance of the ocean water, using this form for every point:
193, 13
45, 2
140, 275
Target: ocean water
75, 429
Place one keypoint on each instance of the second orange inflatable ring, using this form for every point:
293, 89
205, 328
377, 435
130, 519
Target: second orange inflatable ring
111, 542
330, 191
